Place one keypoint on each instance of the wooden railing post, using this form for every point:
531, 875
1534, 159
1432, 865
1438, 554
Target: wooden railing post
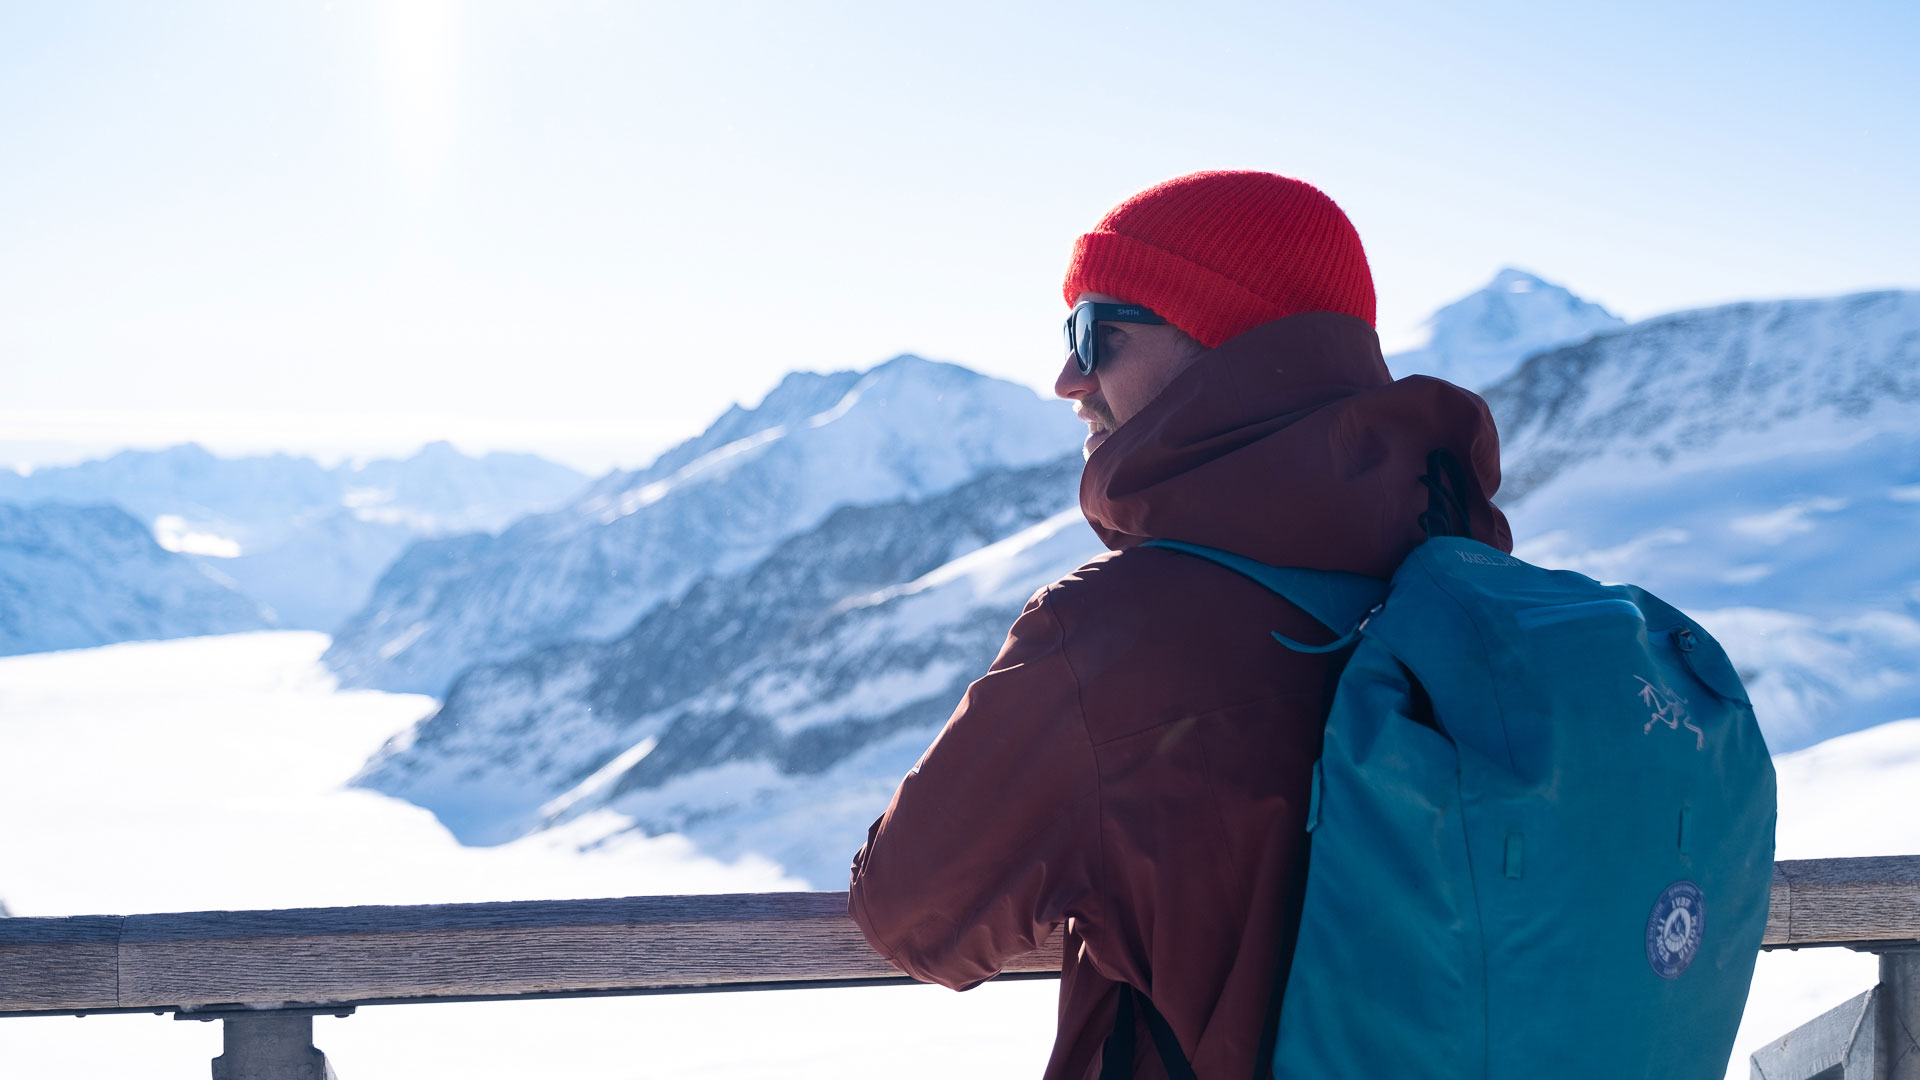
1899, 1017
269, 1047
1869, 1037
267, 1044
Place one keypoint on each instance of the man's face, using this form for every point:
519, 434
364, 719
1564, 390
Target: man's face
1137, 361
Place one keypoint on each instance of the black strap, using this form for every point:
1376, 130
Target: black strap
1446, 484
1164, 1040
1116, 1061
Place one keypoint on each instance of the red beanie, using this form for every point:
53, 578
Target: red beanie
1219, 253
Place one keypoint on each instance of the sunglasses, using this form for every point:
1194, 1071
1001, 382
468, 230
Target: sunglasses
1083, 344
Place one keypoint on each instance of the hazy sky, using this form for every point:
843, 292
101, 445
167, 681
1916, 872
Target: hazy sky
584, 228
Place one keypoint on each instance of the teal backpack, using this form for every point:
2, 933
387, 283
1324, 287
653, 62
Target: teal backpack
1540, 832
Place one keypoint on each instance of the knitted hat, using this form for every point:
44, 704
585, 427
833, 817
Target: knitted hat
1219, 253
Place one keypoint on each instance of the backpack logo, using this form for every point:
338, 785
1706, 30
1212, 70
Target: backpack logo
1670, 709
1674, 929
1481, 558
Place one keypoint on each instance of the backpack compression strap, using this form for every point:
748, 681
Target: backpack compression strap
1337, 600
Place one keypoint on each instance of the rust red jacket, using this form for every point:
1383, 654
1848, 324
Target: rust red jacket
1134, 767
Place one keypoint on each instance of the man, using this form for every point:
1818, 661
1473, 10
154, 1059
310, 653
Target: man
1134, 769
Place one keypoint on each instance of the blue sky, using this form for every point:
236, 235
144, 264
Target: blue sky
585, 228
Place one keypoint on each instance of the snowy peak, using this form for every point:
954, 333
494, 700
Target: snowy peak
906, 429
798, 395
1481, 337
1714, 386
441, 490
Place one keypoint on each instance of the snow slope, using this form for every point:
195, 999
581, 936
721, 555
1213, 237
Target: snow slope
1482, 337
908, 428
741, 669
73, 576
306, 540
209, 773
1756, 463
1710, 388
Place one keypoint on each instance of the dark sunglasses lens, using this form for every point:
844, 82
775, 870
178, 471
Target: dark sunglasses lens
1083, 340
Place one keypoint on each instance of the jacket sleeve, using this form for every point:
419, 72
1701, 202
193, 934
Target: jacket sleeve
993, 838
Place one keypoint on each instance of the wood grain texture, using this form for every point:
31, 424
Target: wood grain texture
1777, 908
60, 964
451, 950
360, 954
1836, 901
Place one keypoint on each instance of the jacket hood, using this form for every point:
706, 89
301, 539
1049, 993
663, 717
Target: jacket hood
1291, 444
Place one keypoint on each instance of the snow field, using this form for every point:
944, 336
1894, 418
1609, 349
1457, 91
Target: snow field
208, 773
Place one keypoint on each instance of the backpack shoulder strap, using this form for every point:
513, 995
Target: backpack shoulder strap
1334, 598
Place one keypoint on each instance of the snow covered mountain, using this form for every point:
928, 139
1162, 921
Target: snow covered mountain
783, 662
1480, 338
76, 576
1702, 389
1759, 461
774, 710
909, 428
306, 540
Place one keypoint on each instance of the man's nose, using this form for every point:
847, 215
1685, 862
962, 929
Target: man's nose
1072, 385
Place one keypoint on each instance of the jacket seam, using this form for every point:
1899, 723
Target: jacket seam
1093, 761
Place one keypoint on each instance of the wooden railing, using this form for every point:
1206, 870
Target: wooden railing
266, 973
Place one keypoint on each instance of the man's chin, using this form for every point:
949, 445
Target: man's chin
1094, 439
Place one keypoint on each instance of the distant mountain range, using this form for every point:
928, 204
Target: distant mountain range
77, 576
306, 541
1753, 463
751, 639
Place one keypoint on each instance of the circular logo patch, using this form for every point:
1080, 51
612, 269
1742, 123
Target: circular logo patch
1673, 930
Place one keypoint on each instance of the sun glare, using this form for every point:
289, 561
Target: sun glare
417, 38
